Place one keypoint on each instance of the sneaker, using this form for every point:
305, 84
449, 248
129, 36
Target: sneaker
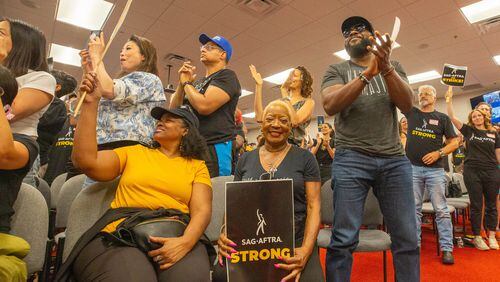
447, 257
480, 244
492, 241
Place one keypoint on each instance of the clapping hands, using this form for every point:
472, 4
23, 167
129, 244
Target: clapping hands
187, 73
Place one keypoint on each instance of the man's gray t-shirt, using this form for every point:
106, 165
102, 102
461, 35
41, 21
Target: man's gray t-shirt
369, 125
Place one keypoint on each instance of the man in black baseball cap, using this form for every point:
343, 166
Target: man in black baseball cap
363, 93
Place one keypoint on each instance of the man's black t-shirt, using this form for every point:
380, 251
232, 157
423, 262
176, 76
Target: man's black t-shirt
322, 155
425, 135
60, 153
299, 165
219, 126
49, 125
481, 146
10, 182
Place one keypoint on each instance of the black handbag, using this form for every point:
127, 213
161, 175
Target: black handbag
167, 227
135, 231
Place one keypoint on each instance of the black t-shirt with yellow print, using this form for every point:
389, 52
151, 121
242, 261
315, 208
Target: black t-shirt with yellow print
425, 135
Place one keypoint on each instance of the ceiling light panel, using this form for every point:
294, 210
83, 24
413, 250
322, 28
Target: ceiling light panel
88, 14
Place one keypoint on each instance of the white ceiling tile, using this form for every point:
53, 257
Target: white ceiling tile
453, 20
412, 33
492, 41
149, 8
406, 2
333, 21
288, 19
244, 44
205, 9
266, 31
235, 18
316, 9
427, 9
374, 8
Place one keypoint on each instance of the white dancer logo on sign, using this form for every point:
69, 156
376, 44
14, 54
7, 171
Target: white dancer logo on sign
260, 224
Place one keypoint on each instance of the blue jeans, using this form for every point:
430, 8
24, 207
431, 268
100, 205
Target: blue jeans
353, 175
433, 181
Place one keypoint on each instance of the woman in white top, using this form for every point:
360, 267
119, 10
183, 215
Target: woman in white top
24, 53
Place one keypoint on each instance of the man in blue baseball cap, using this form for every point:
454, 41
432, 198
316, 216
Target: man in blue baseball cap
213, 99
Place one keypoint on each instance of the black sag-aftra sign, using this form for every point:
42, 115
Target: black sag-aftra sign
260, 220
454, 75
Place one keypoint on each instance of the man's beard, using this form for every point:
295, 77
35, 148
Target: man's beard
359, 50
424, 103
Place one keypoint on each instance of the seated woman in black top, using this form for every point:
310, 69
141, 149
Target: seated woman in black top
17, 153
481, 173
277, 159
324, 151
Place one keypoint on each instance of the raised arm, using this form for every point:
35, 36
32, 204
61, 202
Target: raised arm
339, 96
257, 104
449, 107
304, 114
319, 140
177, 98
95, 54
98, 165
399, 90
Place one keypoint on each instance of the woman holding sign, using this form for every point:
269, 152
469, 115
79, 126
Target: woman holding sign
481, 173
278, 159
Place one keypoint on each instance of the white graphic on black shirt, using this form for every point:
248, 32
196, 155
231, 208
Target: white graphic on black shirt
425, 124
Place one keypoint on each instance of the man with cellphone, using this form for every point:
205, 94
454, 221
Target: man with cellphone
213, 99
426, 129
363, 94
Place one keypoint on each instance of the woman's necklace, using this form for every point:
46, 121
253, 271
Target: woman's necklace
273, 165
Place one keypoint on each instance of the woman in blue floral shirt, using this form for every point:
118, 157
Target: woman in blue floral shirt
124, 112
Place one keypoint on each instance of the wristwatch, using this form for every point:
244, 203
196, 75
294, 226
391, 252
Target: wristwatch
441, 153
363, 78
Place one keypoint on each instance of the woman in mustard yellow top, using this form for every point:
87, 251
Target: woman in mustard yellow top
171, 176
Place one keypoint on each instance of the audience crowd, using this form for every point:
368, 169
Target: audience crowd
165, 150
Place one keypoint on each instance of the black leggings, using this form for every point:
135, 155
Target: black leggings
481, 183
102, 260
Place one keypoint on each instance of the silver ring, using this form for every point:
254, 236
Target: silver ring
158, 258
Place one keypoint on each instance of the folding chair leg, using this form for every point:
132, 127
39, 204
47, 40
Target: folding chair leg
44, 277
385, 265
463, 221
59, 254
